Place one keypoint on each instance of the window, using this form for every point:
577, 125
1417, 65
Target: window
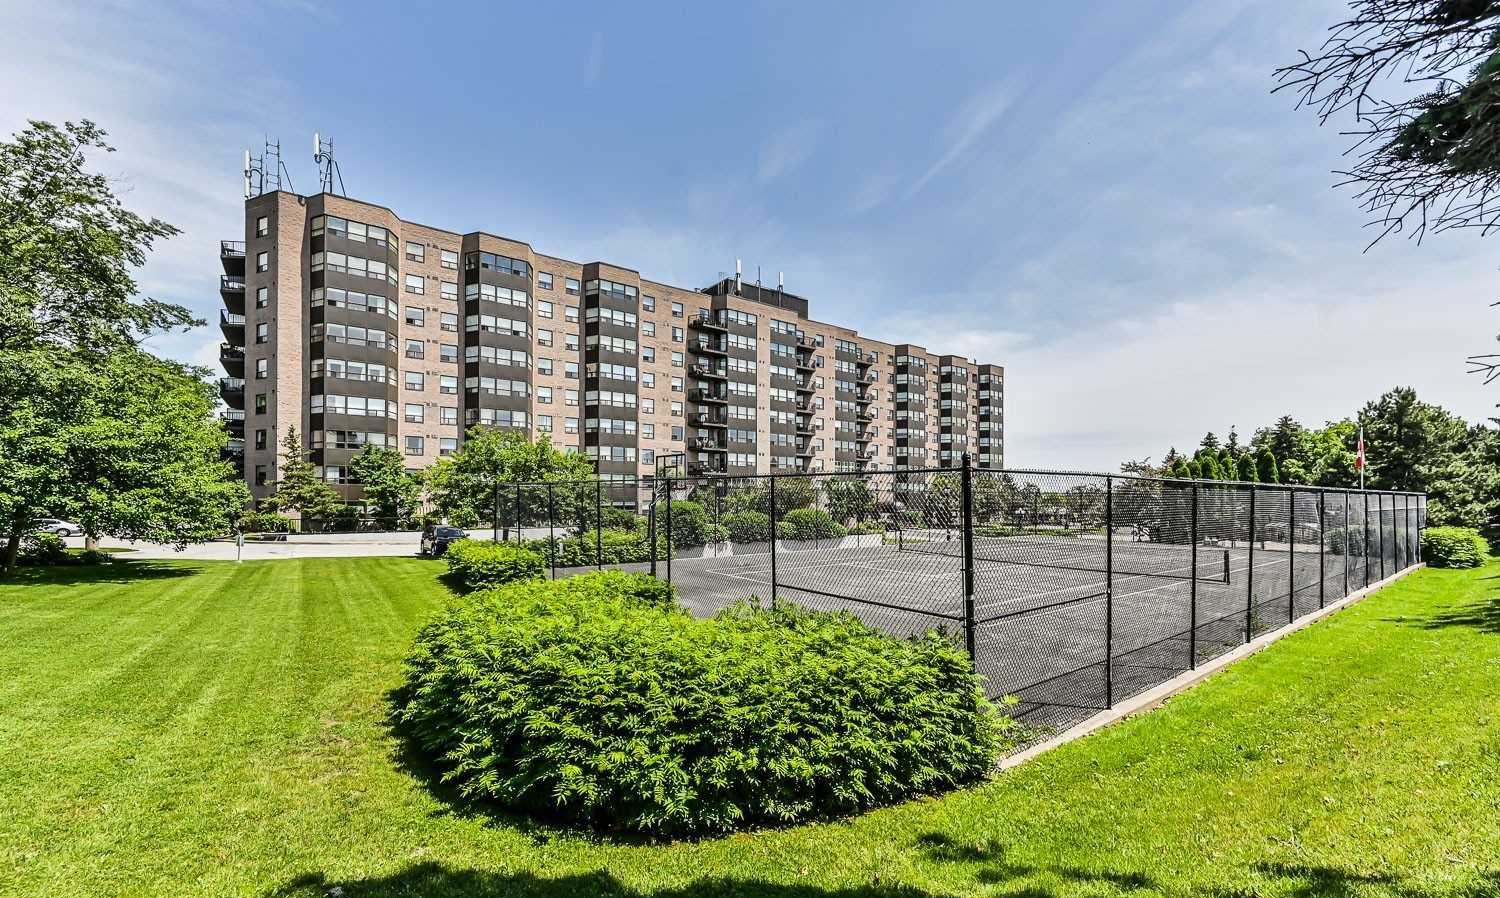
260, 438
648, 456
648, 303
570, 425
262, 332
260, 403
676, 413
544, 395
414, 316
570, 286
448, 352
262, 261
570, 397
415, 380
676, 310
676, 335
447, 383
648, 354
648, 406
544, 280
676, 360
648, 379
571, 341
676, 432
414, 349
262, 226
412, 413
415, 284
648, 328
449, 259
544, 422
449, 290
543, 337
648, 431
262, 297
570, 313
414, 445
448, 445
570, 369
262, 368
543, 366
543, 309
415, 251
448, 414
260, 475
448, 321
676, 385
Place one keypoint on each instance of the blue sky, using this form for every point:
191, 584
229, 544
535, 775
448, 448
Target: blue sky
1103, 197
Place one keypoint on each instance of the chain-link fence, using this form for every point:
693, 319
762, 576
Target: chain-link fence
1069, 591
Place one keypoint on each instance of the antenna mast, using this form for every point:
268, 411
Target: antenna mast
328, 167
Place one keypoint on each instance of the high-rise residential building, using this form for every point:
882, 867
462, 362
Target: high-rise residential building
356, 328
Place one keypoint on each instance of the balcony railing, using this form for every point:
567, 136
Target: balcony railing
230, 249
233, 319
703, 344
707, 320
231, 284
701, 395
704, 370
705, 419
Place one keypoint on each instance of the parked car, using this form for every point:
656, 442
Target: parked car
54, 525
435, 540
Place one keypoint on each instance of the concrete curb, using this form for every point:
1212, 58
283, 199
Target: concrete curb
1155, 697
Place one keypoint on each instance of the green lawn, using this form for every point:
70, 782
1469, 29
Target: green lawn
218, 729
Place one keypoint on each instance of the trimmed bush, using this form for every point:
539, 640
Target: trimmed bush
614, 518
585, 700
690, 524
813, 523
264, 522
478, 565
748, 526
43, 549
1454, 547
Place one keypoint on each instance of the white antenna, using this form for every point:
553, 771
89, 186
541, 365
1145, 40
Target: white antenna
780, 281
737, 273
328, 167
246, 170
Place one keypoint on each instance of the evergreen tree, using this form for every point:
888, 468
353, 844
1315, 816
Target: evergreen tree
1266, 467
299, 487
1209, 465
1245, 467
1210, 442
392, 490
1233, 443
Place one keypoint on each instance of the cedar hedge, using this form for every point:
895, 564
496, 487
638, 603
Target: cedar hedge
479, 565
1454, 547
594, 700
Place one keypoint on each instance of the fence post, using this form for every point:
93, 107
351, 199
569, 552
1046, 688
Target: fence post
1250, 574
773, 540
1322, 540
551, 531
1193, 584
1365, 550
669, 527
651, 527
1109, 592
1380, 530
599, 528
1344, 535
1411, 557
1291, 555
518, 514
967, 510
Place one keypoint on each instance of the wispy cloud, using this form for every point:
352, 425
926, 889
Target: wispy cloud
971, 122
785, 150
593, 59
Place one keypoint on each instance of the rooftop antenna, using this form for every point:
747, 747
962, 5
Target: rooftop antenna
253, 176
737, 273
274, 176
780, 283
328, 167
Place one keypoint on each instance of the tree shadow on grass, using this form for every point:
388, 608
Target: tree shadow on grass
1482, 615
1292, 880
118, 571
432, 880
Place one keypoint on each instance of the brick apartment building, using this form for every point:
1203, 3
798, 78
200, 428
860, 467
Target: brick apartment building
357, 327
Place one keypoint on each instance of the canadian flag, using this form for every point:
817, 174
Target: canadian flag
1359, 452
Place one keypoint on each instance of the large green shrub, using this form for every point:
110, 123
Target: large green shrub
43, 549
264, 522
748, 526
478, 565
813, 523
575, 698
1454, 547
690, 524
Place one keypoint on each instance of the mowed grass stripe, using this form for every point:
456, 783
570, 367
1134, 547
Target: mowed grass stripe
248, 755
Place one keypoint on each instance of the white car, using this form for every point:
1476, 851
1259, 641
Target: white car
54, 525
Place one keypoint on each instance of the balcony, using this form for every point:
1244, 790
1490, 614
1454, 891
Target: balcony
232, 391
233, 359
804, 450
710, 444
707, 320
702, 468
234, 422
234, 447
804, 363
702, 395
707, 419
804, 386
232, 292
804, 428
232, 325
705, 346
864, 436
864, 414
232, 256
703, 369
804, 405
